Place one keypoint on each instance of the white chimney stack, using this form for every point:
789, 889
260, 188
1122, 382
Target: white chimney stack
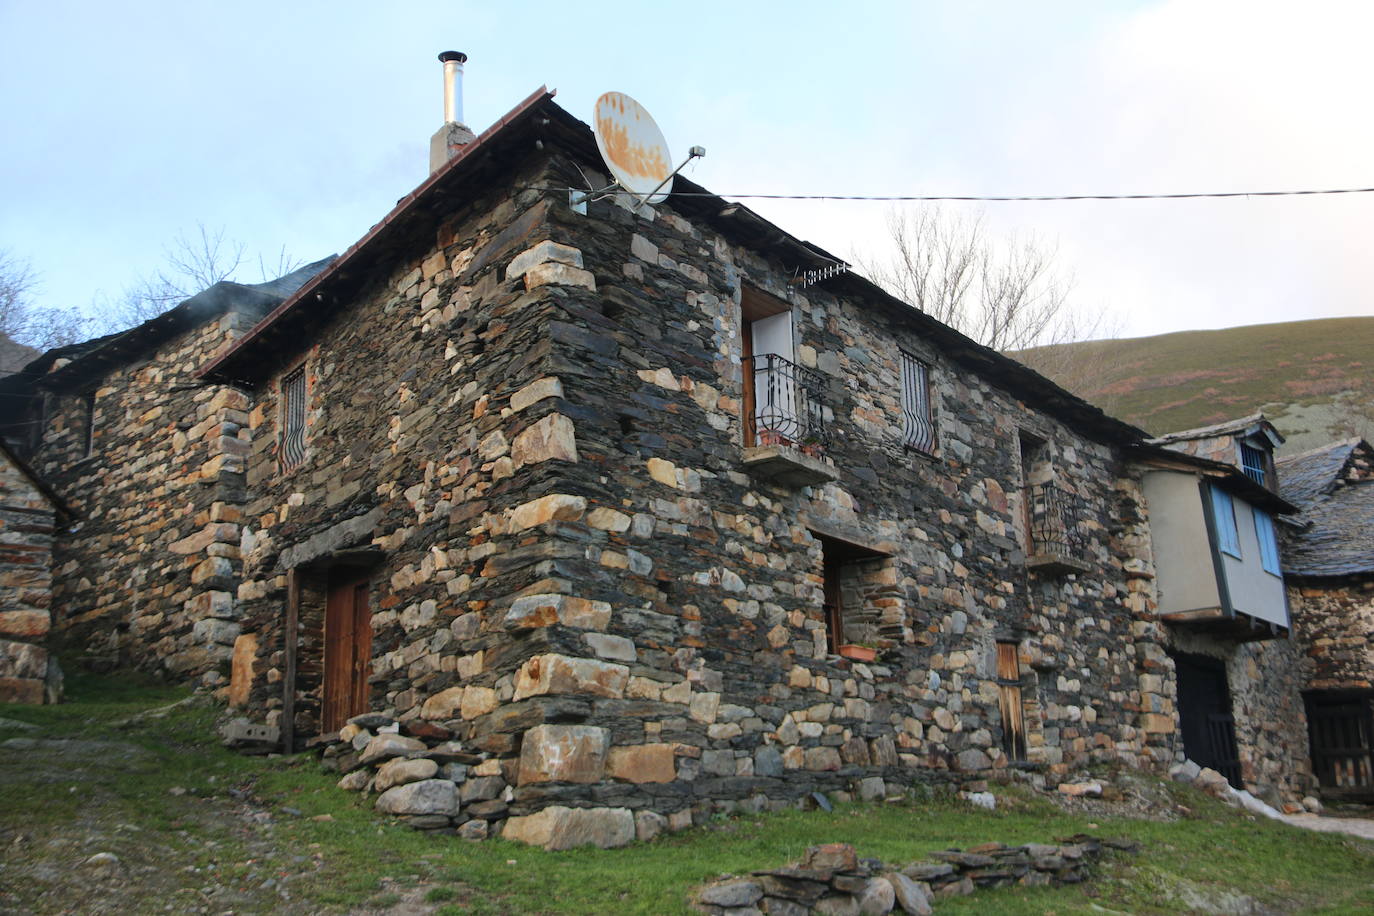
453, 85
454, 134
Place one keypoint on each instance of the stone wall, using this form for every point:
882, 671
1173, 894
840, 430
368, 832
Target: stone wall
433, 441
717, 635
145, 574
1266, 680
27, 524
1333, 621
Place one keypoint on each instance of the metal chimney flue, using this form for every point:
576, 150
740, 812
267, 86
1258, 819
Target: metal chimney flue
454, 134
453, 85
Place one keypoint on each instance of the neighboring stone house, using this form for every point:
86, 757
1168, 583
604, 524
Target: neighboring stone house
1213, 498
618, 499
1329, 564
29, 515
150, 460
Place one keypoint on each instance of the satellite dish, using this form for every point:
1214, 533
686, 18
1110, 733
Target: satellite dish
633, 147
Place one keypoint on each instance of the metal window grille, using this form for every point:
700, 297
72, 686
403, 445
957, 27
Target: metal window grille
918, 429
1253, 463
293, 419
1055, 519
788, 408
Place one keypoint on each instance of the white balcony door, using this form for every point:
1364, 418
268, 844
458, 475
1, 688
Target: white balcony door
775, 404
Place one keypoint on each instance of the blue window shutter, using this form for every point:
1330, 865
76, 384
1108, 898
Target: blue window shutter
1268, 542
1224, 517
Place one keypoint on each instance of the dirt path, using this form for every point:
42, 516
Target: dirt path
1362, 827
99, 824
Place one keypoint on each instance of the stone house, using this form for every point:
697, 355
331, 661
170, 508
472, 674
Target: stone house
30, 513
618, 499
654, 508
1213, 498
150, 462
1328, 562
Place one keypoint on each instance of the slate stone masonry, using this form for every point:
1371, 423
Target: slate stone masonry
145, 574
28, 521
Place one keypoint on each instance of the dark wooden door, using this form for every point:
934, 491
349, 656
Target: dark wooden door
347, 652
834, 604
1205, 717
1341, 731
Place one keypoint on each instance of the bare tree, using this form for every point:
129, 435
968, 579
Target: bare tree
29, 326
1008, 294
193, 262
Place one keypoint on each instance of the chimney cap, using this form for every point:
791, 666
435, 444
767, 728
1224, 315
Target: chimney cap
459, 56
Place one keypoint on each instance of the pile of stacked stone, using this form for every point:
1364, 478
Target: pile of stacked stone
421, 774
832, 879
430, 780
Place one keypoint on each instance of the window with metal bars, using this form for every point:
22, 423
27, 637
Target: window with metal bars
918, 425
1252, 461
1009, 700
293, 419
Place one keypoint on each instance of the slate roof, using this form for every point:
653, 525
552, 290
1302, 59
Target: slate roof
1254, 423
256, 299
1333, 534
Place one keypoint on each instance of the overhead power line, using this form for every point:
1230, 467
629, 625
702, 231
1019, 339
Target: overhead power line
995, 198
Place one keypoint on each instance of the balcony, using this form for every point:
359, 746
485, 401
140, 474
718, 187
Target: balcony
784, 423
1054, 520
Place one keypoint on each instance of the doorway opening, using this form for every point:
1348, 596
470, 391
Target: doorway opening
1206, 722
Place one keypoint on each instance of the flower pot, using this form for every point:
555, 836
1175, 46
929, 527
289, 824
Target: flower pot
858, 653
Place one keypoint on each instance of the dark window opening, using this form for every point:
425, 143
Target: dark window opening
88, 424
854, 593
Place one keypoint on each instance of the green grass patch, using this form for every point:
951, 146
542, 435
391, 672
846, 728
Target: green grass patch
181, 809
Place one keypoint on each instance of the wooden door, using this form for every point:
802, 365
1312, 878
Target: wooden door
1341, 733
1205, 718
347, 652
1009, 700
834, 604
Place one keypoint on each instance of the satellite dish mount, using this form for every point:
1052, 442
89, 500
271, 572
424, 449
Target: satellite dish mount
635, 152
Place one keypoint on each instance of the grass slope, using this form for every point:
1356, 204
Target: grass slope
199, 829
1194, 378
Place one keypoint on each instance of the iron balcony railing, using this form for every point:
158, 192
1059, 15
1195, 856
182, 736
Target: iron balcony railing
788, 406
1055, 517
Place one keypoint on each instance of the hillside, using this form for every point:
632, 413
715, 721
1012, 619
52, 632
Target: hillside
1305, 375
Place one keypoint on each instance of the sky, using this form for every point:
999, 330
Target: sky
296, 126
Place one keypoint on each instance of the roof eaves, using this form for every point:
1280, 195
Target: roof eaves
1248, 425
1229, 476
